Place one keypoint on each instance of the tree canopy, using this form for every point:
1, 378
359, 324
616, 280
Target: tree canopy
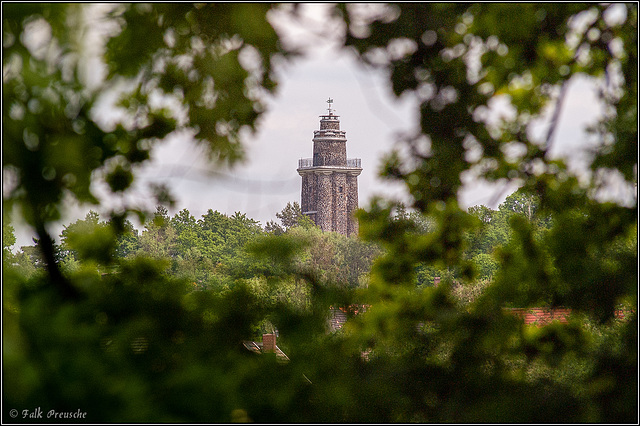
109, 322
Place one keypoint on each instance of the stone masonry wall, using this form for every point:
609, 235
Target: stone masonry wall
332, 123
329, 152
352, 204
307, 189
339, 204
324, 206
333, 195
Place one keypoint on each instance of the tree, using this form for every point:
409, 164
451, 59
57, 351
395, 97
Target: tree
158, 240
8, 237
492, 233
48, 104
187, 231
183, 222
354, 259
128, 240
483, 213
66, 142
486, 265
290, 216
33, 254
526, 204
272, 227
190, 259
457, 59
77, 230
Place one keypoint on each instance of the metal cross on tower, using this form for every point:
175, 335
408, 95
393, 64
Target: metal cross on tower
329, 101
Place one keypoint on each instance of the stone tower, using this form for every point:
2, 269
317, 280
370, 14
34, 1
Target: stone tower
330, 179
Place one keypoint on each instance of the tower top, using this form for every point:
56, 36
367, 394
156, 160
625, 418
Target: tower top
329, 101
330, 116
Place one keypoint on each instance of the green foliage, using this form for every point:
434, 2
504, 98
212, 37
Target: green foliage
127, 239
541, 236
485, 264
110, 320
136, 332
197, 250
8, 237
89, 239
290, 217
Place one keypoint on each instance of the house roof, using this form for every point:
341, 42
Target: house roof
542, 316
340, 315
256, 347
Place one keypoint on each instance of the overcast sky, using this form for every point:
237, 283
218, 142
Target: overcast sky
369, 113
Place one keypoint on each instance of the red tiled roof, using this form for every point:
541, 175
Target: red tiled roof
339, 315
542, 316
537, 316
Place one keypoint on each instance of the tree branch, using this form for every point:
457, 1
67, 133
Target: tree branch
556, 117
45, 242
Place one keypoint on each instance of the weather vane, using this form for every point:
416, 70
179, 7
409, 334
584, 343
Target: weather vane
329, 101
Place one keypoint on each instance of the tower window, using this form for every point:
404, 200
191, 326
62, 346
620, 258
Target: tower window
340, 189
